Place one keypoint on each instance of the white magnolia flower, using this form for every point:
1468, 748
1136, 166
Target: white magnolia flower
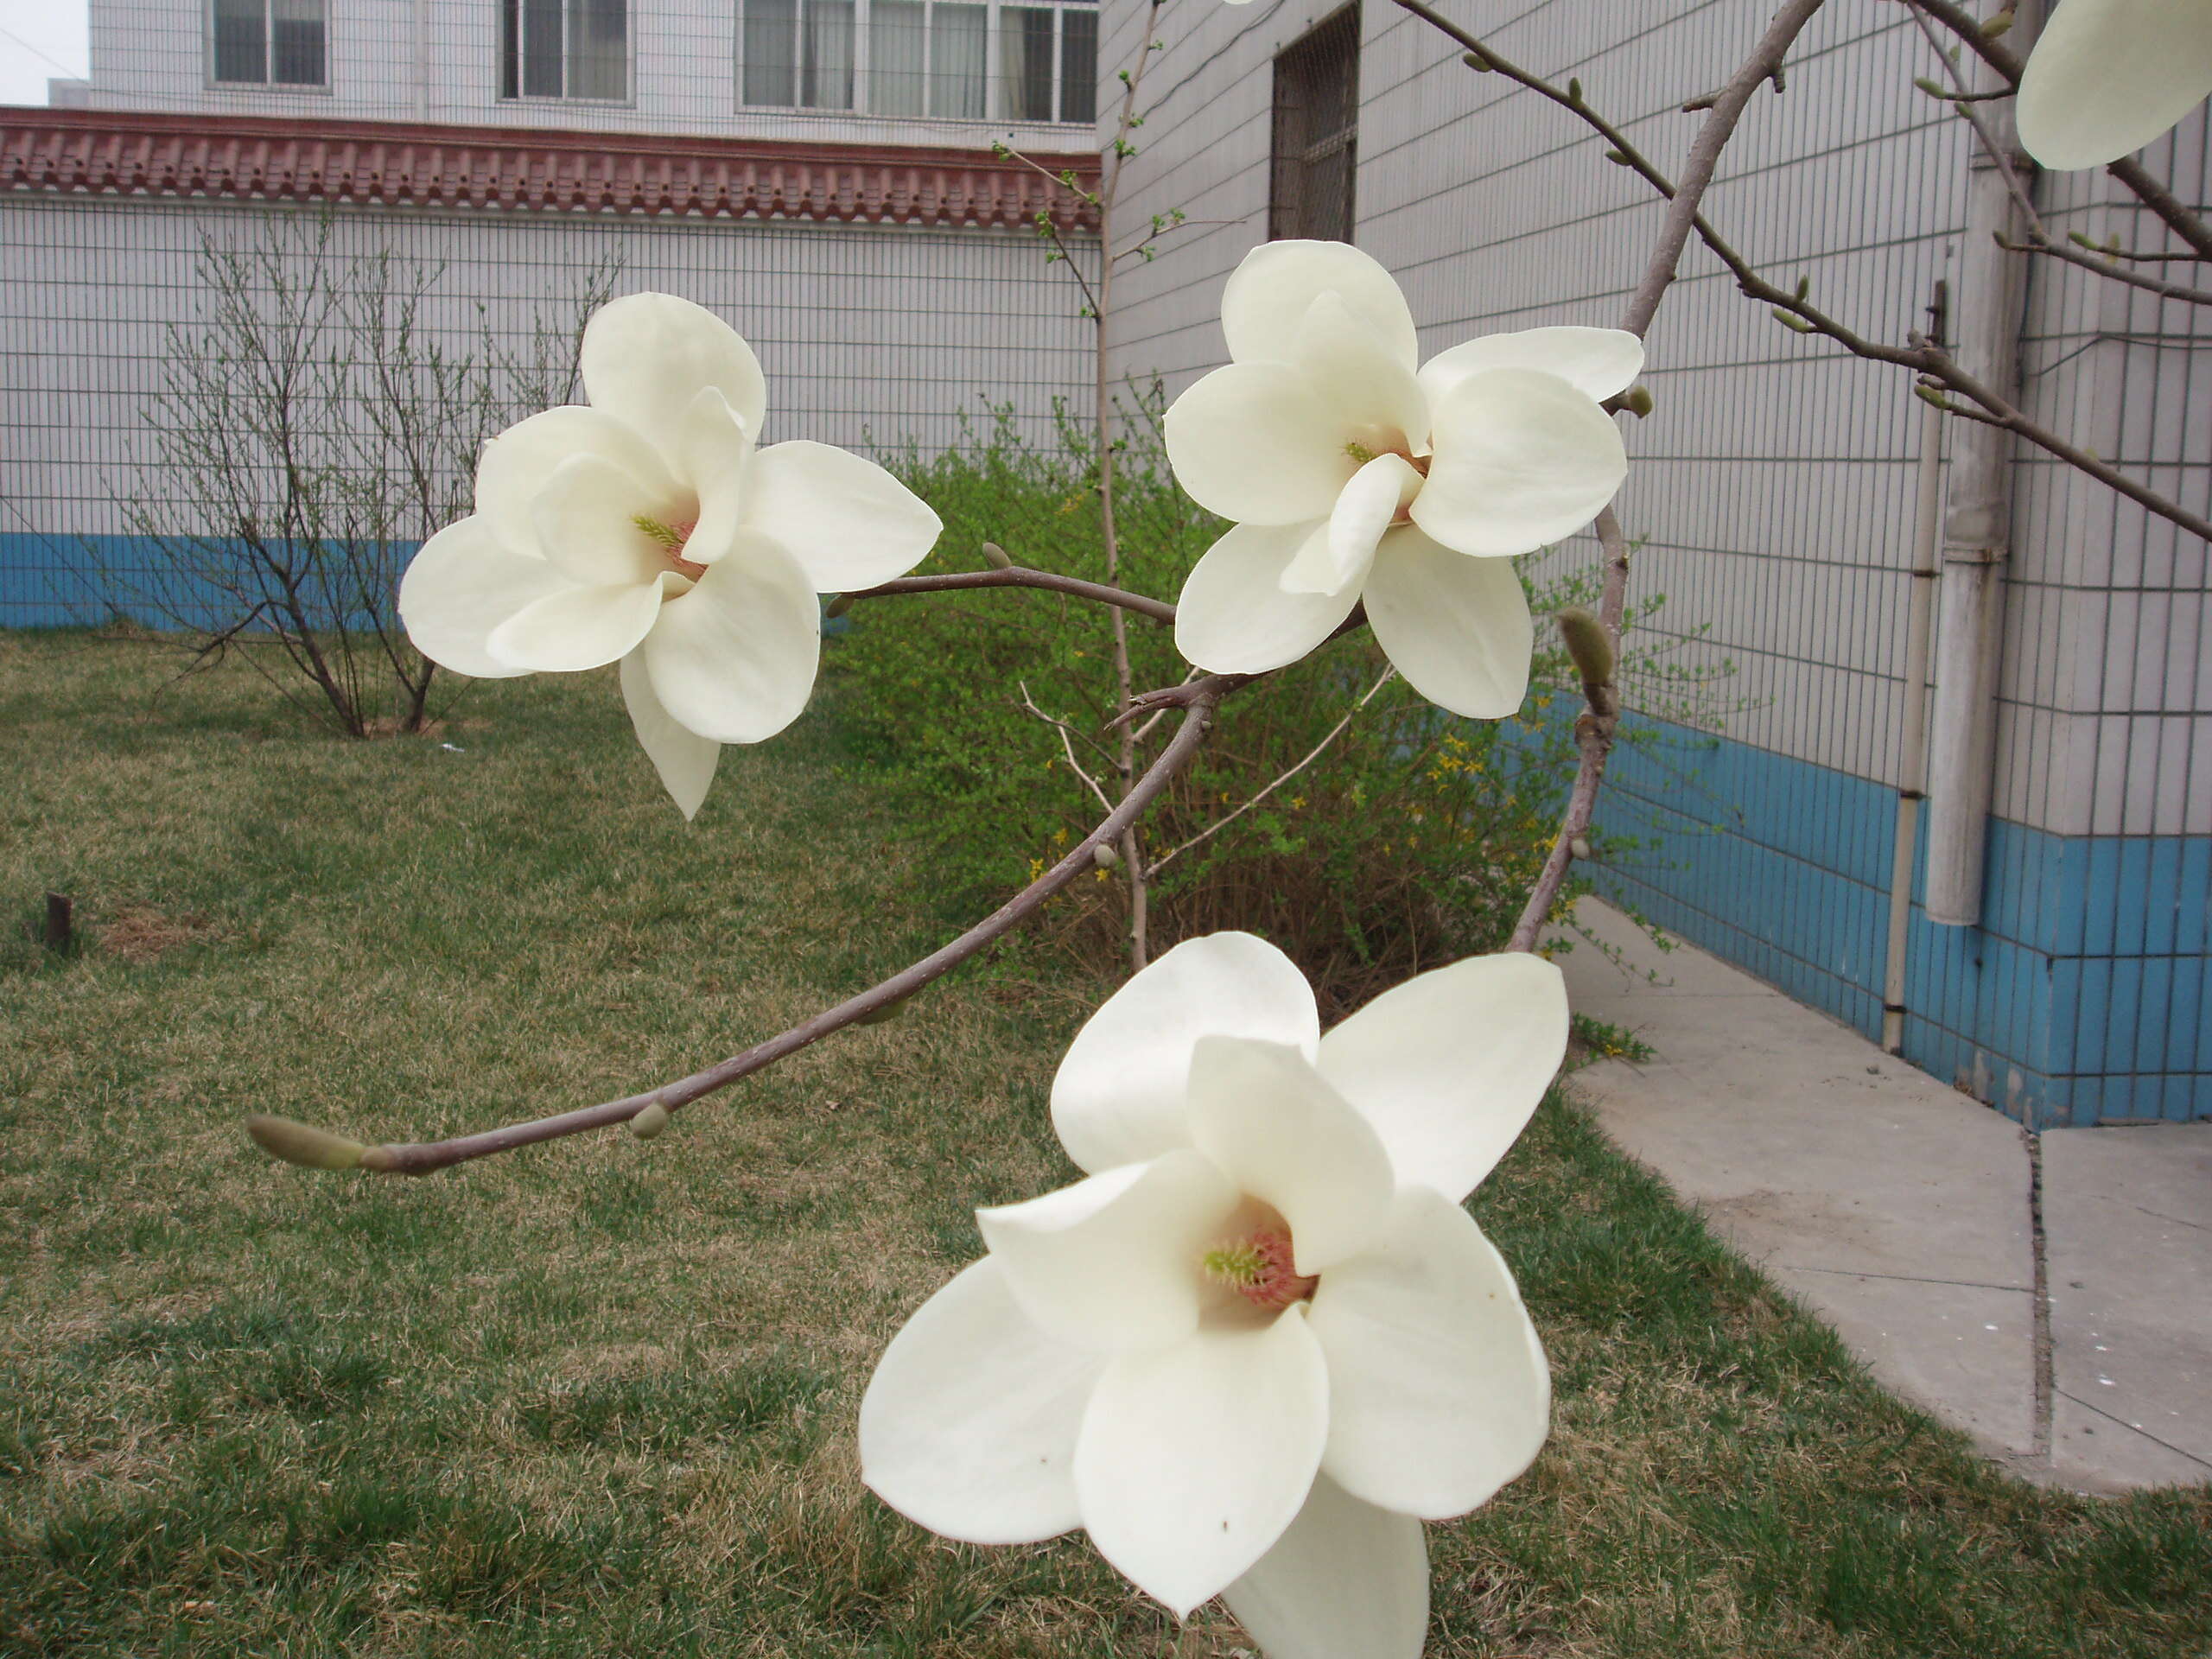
1262, 1340
647, 529
1355, 472
2108, 76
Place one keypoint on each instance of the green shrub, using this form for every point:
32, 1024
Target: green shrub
1410, 842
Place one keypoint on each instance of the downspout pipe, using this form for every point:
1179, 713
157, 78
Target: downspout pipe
1989, 301
1920, 626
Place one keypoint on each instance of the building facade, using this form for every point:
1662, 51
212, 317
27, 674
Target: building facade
1775, 491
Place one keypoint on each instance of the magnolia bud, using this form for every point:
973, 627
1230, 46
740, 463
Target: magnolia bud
1998, 24
1588, 644
1789, 321
996, 557
649, 1121
888, 1011
302, 1144
1638, 401
1579, 846
838, 605
1476, 61
1104, 856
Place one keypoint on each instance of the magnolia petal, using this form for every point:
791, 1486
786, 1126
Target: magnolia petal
685, 760
646, 357
1376, 494
849, 523
1195, 1457
1358, 373
1280, 1133
460, 586
1235, 616
2109, 76
1275, 285
1448, 1066
1346, 1581
1439, 1392
1120, 1097
715, 455
1599, 363
1458, 628
1521, 458
1255, 442
577, 627
586, 519
521, 460
968, 1425
733, 659
1113, 1262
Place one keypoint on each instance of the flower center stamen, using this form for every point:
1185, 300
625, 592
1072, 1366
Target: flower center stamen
1262, 1269
672, 539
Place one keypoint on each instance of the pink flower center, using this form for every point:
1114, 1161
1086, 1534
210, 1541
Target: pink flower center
672, 539
1262, 1270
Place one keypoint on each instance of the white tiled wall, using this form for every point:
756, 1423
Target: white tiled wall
1775, 483
871, 337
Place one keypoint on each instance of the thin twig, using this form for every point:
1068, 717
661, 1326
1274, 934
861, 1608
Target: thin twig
420, 1158
2184, 221
1222, 823
1067, 744
1924, 358
1594, 730
2040, 240
1022, 576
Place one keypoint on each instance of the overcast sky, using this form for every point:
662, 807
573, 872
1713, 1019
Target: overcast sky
39, 39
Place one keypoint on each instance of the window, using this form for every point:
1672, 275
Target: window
1316, 149
954, 59
269, 43
564, 48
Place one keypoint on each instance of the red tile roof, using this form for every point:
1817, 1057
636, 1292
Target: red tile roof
128, 152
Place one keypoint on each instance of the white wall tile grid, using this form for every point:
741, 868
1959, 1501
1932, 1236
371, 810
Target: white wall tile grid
872, 337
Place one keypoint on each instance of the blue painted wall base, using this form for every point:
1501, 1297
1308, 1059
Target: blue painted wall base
2083, 998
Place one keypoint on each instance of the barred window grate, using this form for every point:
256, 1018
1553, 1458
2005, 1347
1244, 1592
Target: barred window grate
1315, 151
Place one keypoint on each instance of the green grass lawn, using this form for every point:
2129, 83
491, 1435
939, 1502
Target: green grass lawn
597, 1398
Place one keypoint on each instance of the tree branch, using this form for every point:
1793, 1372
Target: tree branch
1222, 823
1022, 576
420, 1158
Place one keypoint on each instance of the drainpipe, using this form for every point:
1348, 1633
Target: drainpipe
1977, 537
1920, 619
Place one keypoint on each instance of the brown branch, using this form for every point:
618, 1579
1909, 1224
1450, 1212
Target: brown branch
2184, 222
2040, 240
1222, 823
420, 1158
1922, 358
1594, 730
1022, 576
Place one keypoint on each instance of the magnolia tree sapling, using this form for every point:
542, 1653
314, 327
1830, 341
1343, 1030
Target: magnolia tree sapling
1261, 1340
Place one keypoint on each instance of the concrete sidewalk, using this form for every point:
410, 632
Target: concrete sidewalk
1904, 1213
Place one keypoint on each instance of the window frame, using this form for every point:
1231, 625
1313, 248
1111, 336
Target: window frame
994, 97
1296, 153
211, 61
519, 9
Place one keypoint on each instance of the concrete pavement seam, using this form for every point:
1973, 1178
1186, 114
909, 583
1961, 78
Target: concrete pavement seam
2045, 1354
2137, 1428
1903, 1278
